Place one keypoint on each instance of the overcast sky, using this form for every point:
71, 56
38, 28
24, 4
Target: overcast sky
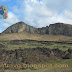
37, 13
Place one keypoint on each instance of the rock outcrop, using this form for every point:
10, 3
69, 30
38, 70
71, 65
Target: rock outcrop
53, 29
60, 29
20, 27
43, 30
33, 54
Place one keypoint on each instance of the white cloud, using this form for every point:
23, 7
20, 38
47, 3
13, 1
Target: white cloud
41, 13
35, 13
11, 18
34, 0
45, 12
6, 25
68, 14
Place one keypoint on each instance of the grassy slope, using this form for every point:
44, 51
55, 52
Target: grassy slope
16, 44
24, 35
6, 40
49, 69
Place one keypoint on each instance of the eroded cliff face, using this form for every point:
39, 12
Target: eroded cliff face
60, 29
53, 29
20, 27
43, 30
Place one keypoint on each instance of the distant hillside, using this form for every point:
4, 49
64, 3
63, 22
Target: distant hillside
53, 29
20, 27
60, 29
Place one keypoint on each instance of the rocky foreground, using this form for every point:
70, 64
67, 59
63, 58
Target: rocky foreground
34, 55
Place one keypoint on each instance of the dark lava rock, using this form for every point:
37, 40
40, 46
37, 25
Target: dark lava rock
2, 46
33, 55
66, 55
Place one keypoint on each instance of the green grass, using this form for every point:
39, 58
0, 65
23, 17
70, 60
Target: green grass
33, 44
6, 41
48, 69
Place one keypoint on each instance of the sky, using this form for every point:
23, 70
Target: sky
37, 13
